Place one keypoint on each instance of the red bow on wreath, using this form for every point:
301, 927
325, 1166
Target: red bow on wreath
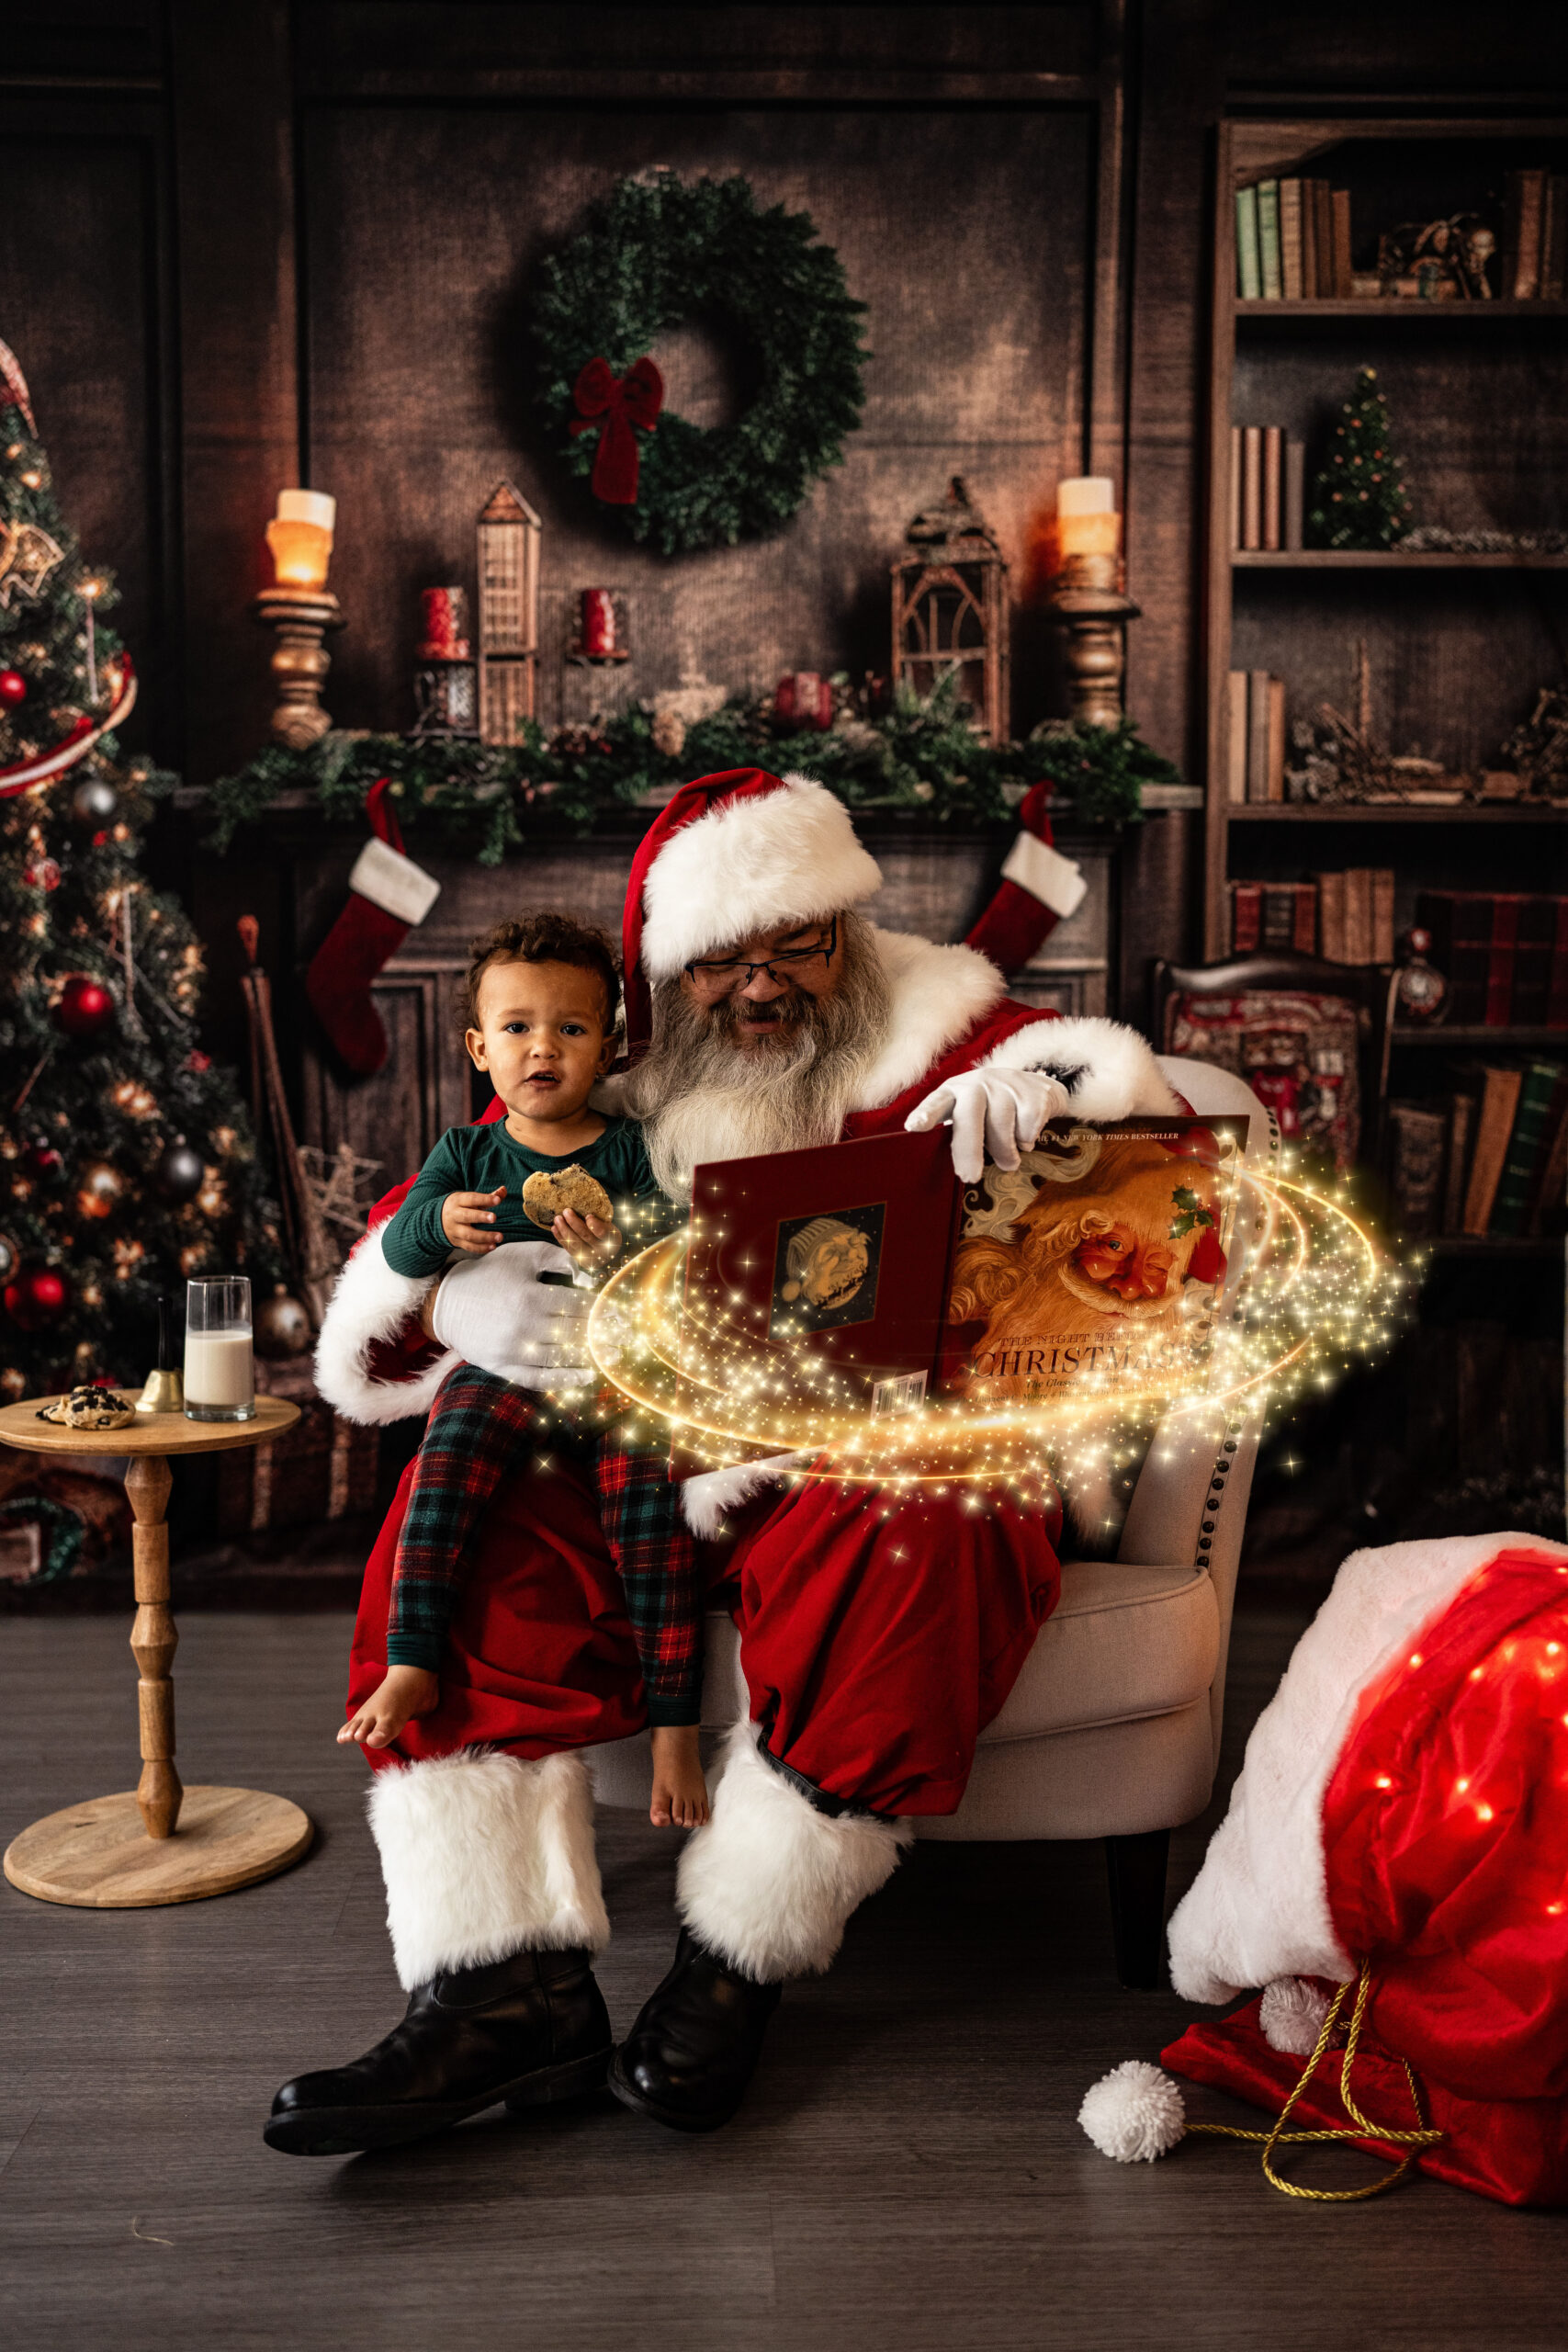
611, 405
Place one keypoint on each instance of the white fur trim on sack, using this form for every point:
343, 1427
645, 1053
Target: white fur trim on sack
1258, 1908
1056, 881
938, 994
394, 883
770, 1882
371, 1304
748, 865
1109, 1070
484, 1855
707, 1501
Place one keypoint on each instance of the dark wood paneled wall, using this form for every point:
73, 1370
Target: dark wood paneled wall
241, 244
425, 226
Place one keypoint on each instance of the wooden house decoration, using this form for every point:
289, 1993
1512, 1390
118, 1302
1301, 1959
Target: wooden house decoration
508, 569
951, 611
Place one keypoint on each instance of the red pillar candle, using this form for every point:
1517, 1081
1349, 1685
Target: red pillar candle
445, 617
596, 626
805, 699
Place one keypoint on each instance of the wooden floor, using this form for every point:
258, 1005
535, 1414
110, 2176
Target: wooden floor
908, 2172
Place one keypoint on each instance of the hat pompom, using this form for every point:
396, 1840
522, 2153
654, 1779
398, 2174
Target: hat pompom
1291, 2015
1135, 2113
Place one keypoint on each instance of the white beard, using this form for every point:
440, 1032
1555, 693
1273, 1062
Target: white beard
731, 1120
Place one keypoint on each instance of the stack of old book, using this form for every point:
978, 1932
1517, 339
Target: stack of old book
1273, 915
1490, 1161
1347, 917
1503, 954
1535, 237
1255, 736
1355, 915
1267, 488
1292, 242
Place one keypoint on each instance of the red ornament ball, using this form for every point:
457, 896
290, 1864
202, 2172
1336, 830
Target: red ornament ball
85, 1006
36, 1299
42, 1157
13, 689
42, 874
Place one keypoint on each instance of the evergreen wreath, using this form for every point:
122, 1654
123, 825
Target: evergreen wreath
657, 252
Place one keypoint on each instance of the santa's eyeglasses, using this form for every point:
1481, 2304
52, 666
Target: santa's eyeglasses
721, 978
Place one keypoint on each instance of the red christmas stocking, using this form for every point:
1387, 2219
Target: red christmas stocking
1039, 889
389, 896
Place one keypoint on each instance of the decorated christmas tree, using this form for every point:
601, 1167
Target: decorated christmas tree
1358, 499
127, 1161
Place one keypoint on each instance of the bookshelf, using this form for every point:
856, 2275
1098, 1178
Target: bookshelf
1457, 642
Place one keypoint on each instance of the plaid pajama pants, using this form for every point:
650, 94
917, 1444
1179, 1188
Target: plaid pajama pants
478, 1429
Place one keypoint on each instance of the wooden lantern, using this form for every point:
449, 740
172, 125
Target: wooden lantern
951, 610
509, 536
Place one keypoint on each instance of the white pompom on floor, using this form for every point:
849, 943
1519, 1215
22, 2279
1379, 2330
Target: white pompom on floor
1291, 2015
1135, 2113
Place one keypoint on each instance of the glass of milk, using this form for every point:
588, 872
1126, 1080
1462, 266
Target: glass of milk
221, 1381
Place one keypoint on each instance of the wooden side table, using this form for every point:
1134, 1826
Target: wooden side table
159, 1842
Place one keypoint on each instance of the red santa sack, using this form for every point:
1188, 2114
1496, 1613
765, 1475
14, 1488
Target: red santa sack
1403, 1808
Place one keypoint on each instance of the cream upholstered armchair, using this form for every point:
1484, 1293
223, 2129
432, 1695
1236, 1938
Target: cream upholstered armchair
1113, 1729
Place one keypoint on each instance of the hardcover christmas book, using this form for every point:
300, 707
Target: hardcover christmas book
863, 1277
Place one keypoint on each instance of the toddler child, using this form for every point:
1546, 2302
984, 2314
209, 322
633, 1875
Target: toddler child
540, 1006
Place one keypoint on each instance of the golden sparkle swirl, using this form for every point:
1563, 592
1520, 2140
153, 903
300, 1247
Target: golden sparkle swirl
1315, 1290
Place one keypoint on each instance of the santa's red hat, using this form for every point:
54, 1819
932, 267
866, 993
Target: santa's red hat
731, 855
1403, 1816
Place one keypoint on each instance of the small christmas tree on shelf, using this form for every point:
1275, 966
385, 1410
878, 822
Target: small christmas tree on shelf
127, 1161
1358, 499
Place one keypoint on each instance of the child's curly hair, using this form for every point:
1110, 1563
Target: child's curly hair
546, 937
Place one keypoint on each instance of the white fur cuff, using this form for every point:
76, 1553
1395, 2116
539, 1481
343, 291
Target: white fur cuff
707, 1501
1056, 881
1110, 1072
371, 1304
769, 1883
485, 1855
394, 883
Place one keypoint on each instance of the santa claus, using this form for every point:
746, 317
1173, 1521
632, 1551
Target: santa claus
878, 1633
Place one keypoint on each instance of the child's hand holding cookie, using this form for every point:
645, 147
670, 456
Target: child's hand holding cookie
468, 1219
590, 1240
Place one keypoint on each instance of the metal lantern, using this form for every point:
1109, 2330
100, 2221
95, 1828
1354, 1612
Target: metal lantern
951, 611
509, 536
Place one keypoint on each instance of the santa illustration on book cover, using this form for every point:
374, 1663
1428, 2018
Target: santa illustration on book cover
1095, 1260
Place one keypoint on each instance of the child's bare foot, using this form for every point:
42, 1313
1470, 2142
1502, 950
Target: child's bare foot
406, 1691
679, 1792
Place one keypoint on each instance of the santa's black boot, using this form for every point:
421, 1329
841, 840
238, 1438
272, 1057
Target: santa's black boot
527, 2030
694, 2048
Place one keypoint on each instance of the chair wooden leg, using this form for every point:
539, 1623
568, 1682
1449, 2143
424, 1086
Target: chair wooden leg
1136, 1867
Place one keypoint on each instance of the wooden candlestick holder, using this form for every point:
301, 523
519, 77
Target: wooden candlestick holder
1088, 600
300, 619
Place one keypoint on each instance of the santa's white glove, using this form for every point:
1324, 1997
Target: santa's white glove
497, 1314
995, 1115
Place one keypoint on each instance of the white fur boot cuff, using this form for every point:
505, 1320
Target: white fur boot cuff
485, 1855
770, 1882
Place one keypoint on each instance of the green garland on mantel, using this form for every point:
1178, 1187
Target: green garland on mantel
920, 758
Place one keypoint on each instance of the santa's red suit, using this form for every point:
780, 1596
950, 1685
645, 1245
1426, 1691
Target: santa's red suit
878, 1633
